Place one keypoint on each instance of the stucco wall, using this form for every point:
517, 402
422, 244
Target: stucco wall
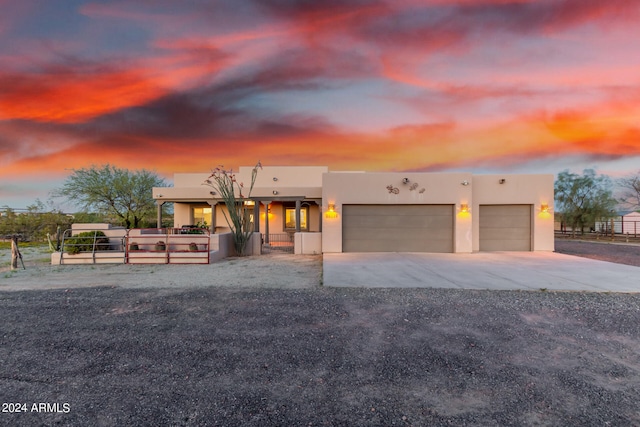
529, 189
441, 188
371, 188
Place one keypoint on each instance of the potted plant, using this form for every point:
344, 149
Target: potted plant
161, 246
133, 246
193, 247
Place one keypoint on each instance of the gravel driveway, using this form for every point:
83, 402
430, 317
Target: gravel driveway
603, 251
244, 356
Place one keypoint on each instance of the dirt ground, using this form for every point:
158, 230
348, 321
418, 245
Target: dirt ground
197, 355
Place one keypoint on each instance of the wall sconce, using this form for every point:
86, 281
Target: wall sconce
275, 179
405, 180
159, 195
213, 193
544, 208
268, 213
464, 208
502, 181
275, 192
465, 182
331, 211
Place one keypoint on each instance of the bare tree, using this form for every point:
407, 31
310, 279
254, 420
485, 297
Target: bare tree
629, 192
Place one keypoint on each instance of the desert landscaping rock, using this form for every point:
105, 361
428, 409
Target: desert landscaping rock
194, 352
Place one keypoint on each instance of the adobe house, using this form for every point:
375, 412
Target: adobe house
380, 212
285, 201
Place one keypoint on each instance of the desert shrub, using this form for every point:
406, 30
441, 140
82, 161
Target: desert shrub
84, 242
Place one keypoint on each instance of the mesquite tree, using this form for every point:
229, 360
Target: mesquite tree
234, 194
124, 194
583, 199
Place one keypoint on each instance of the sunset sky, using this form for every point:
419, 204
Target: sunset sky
514, 86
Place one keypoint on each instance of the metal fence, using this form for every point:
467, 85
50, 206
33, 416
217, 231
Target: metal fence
186, 245
277, 243
93, 245
618, 227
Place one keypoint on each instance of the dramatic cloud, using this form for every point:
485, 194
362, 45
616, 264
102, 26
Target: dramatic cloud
481, 85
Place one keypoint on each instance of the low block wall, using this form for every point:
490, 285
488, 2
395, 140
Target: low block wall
222, 246
307, 243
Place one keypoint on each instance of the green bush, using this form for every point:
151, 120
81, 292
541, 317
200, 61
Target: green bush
84, 242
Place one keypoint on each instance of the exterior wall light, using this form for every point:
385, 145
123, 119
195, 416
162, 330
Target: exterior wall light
275, 192
465, 182
331, 211
464, 208
544, 208
405, 180
502, 181
213, 193
268, 213
275, 179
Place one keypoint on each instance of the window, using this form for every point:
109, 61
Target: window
202, 216
290, 218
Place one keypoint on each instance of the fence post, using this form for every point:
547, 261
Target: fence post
613, 231
15, 253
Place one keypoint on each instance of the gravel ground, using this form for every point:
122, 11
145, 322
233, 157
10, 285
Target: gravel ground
196, 355
603, 251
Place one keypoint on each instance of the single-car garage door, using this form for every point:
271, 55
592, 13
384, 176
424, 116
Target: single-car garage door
397, 228
505, 227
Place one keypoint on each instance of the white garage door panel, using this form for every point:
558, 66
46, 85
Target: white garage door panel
397, 228
505, 228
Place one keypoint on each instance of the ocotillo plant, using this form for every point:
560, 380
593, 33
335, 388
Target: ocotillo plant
232, 193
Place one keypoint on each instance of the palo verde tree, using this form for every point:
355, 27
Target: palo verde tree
113, 191
232, 194
581, 200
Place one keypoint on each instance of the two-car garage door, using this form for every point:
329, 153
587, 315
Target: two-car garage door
397, 228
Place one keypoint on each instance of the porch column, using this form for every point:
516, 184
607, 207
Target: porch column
159, 218
298, 205
212, 227
266, 220
256, 217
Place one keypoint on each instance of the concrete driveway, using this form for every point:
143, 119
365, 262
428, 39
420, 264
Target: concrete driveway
481, 270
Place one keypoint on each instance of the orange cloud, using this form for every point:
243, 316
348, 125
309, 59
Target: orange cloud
78, 91
67, 95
